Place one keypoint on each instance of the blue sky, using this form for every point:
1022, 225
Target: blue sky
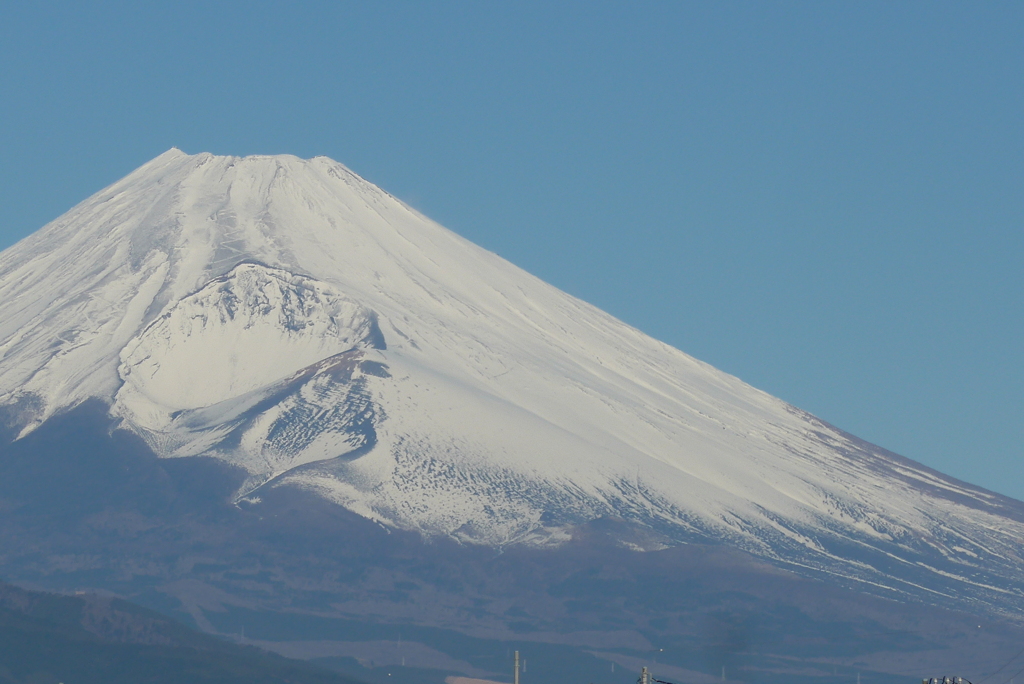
824, 199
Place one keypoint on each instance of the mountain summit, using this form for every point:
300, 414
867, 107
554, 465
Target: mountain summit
289, 318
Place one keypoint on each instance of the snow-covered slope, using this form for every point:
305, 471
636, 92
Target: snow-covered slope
293, 319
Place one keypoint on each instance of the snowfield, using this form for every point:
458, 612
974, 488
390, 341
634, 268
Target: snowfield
293, 319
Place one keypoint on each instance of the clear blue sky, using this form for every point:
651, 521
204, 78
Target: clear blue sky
825, 199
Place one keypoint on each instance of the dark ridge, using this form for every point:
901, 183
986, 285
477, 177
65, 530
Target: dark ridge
89, 639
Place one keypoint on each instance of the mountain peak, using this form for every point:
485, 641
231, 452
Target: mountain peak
291, 318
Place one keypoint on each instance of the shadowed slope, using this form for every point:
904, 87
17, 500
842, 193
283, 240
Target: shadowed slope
83, 507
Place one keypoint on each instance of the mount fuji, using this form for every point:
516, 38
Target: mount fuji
290, 323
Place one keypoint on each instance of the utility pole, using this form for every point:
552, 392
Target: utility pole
645, 676
517, 668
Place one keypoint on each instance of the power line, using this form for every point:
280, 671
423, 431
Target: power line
1014, 674
1005, 665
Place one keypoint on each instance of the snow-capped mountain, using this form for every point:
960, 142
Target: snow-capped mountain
292, 319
